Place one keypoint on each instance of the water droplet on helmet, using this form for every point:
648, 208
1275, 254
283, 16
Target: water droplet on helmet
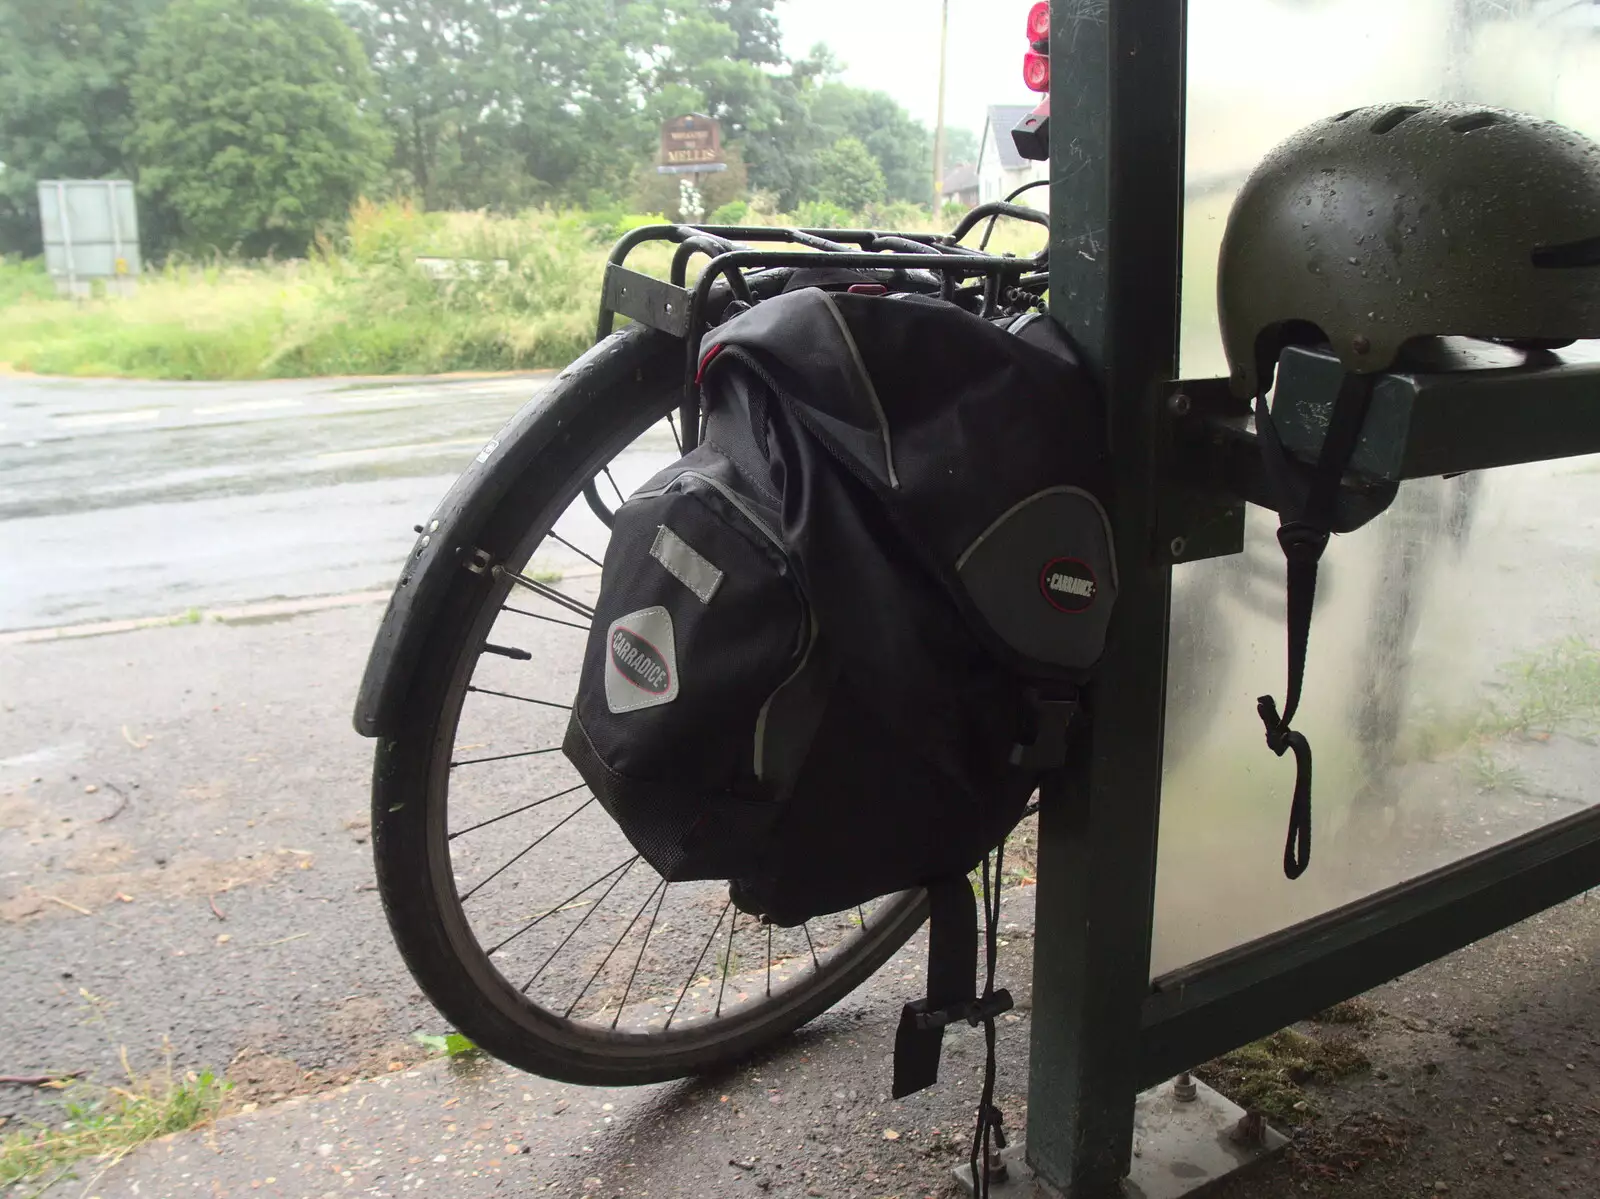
1351, 261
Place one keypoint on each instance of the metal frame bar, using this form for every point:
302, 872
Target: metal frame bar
1116, 203
1207, 1008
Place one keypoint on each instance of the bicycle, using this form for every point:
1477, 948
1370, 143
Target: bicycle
580, 973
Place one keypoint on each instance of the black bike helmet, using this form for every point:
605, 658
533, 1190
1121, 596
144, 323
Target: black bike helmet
1383, 224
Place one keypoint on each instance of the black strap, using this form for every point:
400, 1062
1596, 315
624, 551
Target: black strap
952, 957
991, 1123
1308, 513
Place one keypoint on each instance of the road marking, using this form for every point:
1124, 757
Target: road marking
92, 420
378, 453
249, 406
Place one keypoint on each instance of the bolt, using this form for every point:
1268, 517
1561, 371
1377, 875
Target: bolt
1184, 1090
1178, 546
1251, 1130
996, 1168
1361, 344
1180, 404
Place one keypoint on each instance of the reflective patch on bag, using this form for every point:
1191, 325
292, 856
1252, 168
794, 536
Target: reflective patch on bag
686, 564
641, 661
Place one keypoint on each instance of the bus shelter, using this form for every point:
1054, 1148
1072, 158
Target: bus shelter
1453, 635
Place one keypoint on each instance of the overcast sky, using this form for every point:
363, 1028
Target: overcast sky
893, 46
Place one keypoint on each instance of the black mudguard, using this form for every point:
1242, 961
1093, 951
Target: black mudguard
633, 358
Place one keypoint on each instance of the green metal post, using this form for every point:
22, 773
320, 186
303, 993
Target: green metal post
1116, 203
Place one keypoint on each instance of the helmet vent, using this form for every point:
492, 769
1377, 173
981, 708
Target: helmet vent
1572, 254
1347, 114
1473, 120
1394, 116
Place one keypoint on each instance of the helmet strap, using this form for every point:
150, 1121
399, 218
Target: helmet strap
1307, 503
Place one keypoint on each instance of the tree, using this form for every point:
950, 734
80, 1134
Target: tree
849, 175
253, 126
960, 145
65, 109
901, 145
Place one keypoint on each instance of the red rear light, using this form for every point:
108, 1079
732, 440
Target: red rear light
1039, 22
1036, 71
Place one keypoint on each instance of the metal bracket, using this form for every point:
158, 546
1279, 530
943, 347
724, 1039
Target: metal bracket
1450, 405
1213, 458
647, 300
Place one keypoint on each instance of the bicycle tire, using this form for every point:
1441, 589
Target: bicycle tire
410, 794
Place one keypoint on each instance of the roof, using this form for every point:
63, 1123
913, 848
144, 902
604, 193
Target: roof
962, 177
1003, 118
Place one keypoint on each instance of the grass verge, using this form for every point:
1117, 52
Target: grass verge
101, 1125
401, 292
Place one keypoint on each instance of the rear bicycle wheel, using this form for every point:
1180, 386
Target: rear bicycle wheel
521, 910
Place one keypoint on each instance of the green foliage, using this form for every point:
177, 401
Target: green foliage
820, 214
1269, 1076
23, 279
104, 1124
450, 1045
902, 215
504, 293
65, 111
731, 213
499, 107
849, 176
251, 122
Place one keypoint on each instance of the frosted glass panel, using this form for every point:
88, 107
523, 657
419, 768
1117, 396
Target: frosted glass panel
1452, 700
1454, 680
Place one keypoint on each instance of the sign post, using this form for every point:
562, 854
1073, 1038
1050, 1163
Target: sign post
691, 146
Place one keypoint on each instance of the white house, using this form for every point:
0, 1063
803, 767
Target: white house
1001, 170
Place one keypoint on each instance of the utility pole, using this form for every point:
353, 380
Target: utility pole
938, 133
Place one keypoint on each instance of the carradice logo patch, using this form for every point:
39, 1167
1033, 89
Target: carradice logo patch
641, 663
642, 666
1069, 584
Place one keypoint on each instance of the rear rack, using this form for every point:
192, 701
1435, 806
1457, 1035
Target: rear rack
990, 284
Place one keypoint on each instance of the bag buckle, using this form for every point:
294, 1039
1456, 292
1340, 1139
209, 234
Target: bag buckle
974, 1011
1049, 746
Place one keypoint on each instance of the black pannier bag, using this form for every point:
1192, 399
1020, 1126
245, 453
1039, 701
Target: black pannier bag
823, 636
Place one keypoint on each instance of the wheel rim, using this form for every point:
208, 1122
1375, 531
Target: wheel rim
568, 932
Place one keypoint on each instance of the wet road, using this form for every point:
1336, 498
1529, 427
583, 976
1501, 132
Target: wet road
126, 499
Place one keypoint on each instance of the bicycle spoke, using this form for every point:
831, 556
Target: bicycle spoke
526, 753
558, 537
560, 907
548, 592
508, 651
514, 812
544, 703
606, 470
769, 960
676, 440
524, 853
598, 904
693, 970
541, 616
806, 928
862, 916
571, 1007
654, 916
727, 963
